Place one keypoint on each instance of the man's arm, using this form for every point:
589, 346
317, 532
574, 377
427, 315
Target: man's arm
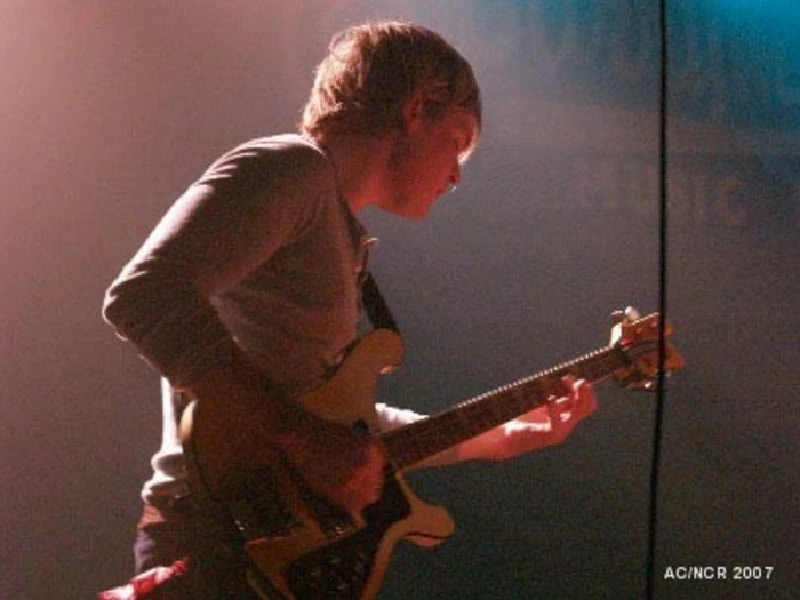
545, 426
216, 234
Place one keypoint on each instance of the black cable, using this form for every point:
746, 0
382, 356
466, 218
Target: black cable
662, 305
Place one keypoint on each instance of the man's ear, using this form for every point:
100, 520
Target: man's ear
412, 112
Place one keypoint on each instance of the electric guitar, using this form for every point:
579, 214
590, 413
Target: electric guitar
300, 546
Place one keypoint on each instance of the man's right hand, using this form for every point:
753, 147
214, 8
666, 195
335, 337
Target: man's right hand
339, 463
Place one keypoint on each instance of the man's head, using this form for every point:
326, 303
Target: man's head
371, 72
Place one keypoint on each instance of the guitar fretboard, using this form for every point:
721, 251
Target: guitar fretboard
415, 442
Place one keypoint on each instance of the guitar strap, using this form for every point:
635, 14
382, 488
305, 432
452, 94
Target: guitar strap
377, 310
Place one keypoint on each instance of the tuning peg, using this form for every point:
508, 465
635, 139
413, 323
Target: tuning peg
629, 314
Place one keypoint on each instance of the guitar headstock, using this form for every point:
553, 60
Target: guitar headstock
637, 338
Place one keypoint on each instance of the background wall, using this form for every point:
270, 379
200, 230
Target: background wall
109, 109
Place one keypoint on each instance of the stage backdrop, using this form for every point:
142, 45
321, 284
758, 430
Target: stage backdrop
109, 109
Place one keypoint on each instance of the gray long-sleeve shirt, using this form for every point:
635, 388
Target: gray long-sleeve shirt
263, 253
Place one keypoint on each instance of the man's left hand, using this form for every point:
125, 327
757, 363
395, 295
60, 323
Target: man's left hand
544, 426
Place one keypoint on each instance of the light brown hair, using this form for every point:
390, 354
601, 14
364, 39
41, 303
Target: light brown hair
371, 69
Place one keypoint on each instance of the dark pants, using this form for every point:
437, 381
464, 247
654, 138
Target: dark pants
211, 550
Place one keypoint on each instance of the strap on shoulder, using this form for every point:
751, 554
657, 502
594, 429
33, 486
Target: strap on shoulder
377, 310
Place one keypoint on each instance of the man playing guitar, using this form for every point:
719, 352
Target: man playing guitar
247, 295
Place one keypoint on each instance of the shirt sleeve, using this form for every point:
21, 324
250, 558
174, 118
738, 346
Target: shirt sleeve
253, 201
390, 417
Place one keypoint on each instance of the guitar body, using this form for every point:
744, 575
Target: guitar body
301, 546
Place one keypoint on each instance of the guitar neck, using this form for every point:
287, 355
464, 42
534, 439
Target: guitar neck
412, 443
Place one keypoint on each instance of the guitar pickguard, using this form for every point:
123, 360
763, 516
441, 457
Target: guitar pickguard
339, 564
340, 569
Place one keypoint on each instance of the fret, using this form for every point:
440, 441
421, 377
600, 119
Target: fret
417, 441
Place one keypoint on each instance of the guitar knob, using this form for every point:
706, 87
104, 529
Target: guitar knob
629, 314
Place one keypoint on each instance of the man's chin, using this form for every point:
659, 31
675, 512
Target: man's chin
412, 212
417, 214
